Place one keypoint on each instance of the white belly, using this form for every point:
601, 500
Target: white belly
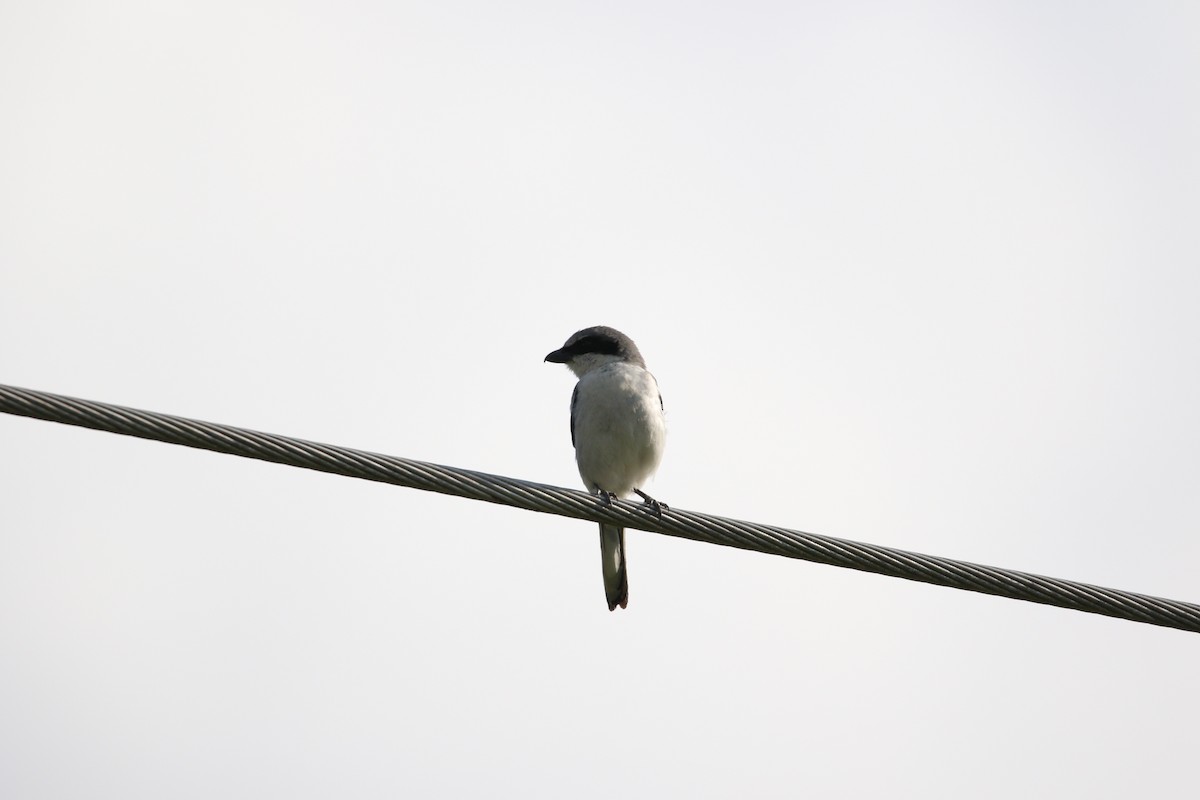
619, 429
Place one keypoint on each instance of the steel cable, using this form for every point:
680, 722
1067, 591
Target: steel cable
580, 505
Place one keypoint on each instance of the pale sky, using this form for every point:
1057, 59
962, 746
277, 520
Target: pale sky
924, 275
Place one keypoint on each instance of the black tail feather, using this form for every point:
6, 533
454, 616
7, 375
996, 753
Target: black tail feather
612, 553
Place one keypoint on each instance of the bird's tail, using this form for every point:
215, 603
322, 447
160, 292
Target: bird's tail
612, 550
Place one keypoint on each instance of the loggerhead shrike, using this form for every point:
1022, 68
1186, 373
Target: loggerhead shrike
618, 431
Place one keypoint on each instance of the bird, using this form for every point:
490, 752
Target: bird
618, 431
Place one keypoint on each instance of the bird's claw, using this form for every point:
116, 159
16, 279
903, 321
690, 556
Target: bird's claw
606, 498
655, 506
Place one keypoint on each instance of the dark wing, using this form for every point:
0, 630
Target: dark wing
574, 397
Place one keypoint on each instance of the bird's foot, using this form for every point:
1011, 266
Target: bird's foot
655, 506
606, 498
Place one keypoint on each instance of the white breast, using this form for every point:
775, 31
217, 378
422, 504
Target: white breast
619, 428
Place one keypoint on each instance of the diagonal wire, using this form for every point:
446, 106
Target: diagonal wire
580, 505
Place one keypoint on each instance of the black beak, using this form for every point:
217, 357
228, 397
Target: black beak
559, 356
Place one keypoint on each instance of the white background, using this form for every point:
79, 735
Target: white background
925, 275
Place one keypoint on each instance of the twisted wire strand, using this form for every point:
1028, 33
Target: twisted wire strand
581, 505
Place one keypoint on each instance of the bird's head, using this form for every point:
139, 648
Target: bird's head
592, 348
